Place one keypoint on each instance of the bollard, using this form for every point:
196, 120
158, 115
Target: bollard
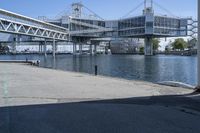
96, 70
38, 63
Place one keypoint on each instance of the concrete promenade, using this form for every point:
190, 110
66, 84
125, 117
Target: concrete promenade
34, 99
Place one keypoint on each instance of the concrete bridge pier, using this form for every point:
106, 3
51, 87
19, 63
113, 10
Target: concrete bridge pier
16, 41
40, 47
91, 50
14, 47
45, 48
80, 48
94, 44
74, 48
95, 49
148, 50
54, 48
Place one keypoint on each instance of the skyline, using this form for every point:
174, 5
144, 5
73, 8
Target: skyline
109, 12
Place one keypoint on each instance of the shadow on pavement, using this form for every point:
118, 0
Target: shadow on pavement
157, 114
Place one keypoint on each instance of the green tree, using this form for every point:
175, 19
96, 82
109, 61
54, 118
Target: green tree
156, 44
4, 49
141, 50
179, 44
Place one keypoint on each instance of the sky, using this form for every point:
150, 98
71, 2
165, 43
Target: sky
107, 9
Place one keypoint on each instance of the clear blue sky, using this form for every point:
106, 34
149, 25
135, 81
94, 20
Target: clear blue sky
108, 9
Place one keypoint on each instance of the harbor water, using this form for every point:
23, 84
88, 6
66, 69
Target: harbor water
132, 67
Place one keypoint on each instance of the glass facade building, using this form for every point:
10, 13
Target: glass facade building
161, 26
132, 26
142, 26
170, 26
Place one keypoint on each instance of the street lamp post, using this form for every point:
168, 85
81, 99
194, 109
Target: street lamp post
198, 56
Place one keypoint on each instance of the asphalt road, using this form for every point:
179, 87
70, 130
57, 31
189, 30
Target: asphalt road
159, 114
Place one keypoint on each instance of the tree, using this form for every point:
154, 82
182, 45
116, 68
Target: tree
155, 43
179, 44
4, 49
141, 50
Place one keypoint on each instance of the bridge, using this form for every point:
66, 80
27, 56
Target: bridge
13, 23
81, 29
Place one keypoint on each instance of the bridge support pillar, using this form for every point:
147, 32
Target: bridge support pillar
74, 48
45, 48
80, 48
54, 48
16, 41
14, 48
91, 51
148, 50
40, 47
95, 49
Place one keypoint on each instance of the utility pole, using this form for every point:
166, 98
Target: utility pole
198, 56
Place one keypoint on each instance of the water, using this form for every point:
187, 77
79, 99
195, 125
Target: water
133, 67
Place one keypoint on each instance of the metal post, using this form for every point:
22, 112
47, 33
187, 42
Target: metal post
96, 70
198, 66
54, 48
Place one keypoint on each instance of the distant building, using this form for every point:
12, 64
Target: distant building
126, 46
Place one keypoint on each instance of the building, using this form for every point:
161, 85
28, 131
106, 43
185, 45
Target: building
146, 26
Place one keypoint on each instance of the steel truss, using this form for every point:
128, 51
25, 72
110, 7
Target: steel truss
17, 24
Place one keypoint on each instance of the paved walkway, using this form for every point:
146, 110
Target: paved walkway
51, 101
22, 84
